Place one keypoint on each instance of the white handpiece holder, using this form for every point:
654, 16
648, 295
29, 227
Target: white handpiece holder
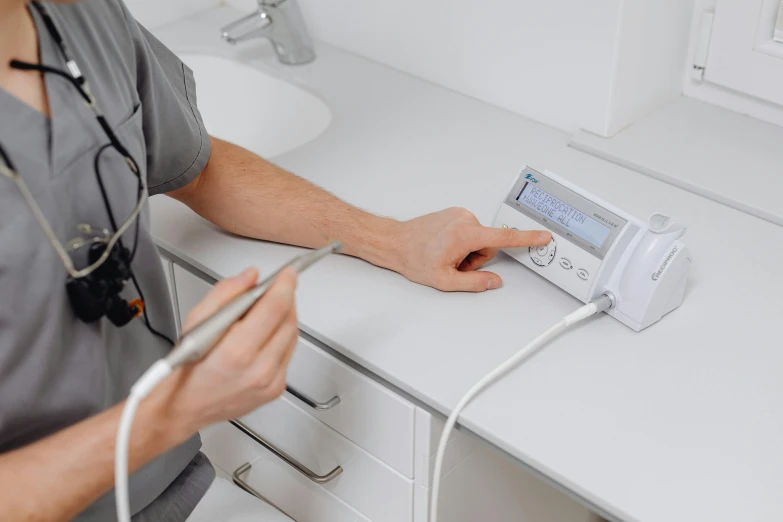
652, 282
598, 248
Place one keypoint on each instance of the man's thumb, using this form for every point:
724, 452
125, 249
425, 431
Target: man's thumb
475, 281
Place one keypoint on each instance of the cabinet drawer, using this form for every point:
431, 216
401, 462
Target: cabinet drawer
368, 414
228, 449
366, 484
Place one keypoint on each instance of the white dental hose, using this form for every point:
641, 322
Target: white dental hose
601, 304
151, 378
191, 347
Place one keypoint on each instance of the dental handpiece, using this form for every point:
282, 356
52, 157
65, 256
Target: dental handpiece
201, 338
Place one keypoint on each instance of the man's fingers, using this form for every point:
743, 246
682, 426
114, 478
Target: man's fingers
277, 352
274, 352
268, 314
484, 237
470, 282
223, 292
476, 260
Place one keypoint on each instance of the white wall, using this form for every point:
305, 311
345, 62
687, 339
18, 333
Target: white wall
597, 65
651, 51
551, 60
154, 13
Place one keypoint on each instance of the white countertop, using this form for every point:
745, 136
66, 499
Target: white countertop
679, 423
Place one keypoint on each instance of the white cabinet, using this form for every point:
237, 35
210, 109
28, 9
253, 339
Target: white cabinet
271, 478
366, 484
343, 448
168, 271
365, 412
368, 414
332, 417
478, 483
189, 291
309, 452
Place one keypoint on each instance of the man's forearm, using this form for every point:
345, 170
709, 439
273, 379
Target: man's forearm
249, 196
57, 477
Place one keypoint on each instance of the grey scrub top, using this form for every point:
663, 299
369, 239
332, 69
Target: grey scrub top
54, 369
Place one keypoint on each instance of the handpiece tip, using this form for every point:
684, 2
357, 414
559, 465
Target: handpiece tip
337, 247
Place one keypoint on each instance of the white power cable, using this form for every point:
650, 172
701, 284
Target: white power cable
599, 305
146, 383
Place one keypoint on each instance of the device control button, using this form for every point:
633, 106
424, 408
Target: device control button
543, 255
540, 261
583, 274
565, 263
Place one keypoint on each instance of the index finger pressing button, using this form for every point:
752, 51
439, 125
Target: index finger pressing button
543, 255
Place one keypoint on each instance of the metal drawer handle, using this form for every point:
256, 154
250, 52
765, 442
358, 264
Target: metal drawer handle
318, 479
237, 477
317, 406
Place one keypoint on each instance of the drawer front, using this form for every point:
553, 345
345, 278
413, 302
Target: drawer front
368, 414
366, 484
286, 489
270, 475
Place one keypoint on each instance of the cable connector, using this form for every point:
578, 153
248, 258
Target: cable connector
607, 301
601, 304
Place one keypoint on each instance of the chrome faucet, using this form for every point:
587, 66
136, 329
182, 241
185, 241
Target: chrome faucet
281, 22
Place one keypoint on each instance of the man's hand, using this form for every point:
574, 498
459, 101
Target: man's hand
247, 368
58, 476
443, 250
249, 196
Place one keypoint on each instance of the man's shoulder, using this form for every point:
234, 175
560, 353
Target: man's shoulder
94, 20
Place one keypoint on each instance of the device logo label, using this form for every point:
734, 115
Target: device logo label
530, 177
602, 219
657, 275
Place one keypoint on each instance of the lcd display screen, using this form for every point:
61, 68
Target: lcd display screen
564, 215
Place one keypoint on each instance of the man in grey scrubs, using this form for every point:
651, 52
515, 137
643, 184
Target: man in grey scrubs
63, 380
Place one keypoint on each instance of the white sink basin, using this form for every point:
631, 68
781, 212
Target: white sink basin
257, 111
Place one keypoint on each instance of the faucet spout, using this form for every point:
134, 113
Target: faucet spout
281, 22
254, 25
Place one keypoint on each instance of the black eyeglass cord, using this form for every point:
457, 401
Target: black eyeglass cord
75, 77
107, 204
